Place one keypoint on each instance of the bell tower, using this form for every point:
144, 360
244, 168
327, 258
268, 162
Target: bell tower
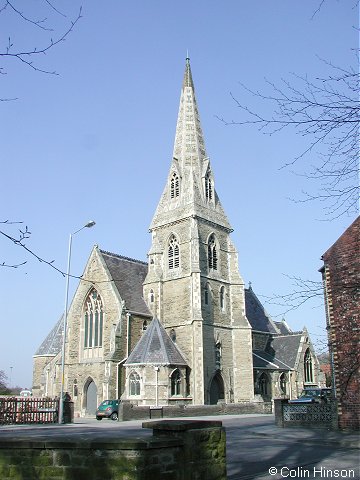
193, 284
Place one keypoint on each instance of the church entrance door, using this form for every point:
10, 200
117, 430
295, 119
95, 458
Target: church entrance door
91, 398
217, 390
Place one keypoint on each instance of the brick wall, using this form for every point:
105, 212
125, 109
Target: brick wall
341, 276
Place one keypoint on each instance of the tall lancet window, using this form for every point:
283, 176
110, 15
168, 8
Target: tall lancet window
93, 320
173, 253
212, 253
222, 298
208, 187
174, 186
308, 367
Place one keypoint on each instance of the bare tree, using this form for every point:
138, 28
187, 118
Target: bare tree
50, 38
19, 240
301, 292
327, 112
4, 389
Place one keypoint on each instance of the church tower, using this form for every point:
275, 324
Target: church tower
193, 285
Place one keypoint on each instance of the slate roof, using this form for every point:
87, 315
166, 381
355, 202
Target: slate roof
286, 347
262, 359
283, 327
52, 344
281, 353
256, 314
155, 347
128, 276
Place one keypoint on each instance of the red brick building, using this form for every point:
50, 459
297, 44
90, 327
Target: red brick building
341, 277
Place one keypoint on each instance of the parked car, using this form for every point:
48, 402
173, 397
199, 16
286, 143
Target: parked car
313, 395
108, 409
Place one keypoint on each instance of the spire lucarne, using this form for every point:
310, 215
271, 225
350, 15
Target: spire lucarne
190, 166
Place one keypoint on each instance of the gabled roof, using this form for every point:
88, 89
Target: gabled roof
285, 348
283, 327
256, 314
128, 276
155, 347
351, 234
51, 346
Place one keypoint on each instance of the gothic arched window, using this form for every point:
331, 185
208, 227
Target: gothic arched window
93, 320
282, 382
222, 298
207, 294
152, 297
212, 253
308, 367
173, 253
174, 186
134, 383
208, 187
175, 383
173, 335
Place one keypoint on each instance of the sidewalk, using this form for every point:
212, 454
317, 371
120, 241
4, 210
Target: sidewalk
310, 435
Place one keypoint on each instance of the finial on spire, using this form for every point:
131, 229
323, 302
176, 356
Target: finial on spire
187, 56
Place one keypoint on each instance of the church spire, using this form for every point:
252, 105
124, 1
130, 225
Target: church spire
189, 147
190, 190
188, 81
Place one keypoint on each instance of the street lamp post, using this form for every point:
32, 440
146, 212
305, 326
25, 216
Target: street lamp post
61, 400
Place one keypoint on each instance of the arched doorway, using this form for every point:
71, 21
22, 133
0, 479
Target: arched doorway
91, 401
217, 390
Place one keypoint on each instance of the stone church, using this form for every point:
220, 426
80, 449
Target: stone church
181, 328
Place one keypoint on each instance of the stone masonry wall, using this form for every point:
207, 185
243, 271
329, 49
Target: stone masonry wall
181, 450
129, 411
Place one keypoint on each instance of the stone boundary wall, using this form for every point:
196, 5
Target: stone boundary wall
178, 450
315, 415
128, 411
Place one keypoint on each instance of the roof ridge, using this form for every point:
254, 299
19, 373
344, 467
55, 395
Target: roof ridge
299, 332
117, 255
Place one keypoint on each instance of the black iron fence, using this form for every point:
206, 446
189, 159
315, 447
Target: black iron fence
17, 410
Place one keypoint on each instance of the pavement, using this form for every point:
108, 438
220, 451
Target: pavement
256, 447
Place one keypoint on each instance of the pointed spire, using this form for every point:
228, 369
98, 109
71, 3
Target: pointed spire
188, 81
189, 146
190, 165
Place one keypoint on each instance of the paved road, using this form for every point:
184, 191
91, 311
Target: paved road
254, 446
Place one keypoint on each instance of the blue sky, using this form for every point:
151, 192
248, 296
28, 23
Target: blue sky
95, 142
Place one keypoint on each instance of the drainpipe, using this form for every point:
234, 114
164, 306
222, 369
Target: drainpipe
156, 386
127, 333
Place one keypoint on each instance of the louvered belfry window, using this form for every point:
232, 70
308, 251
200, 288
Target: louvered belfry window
208, 187
212, 253
173, 253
